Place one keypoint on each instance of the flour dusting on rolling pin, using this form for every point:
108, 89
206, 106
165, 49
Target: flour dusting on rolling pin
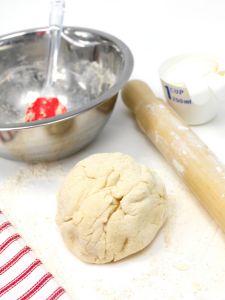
198, 167
193, 85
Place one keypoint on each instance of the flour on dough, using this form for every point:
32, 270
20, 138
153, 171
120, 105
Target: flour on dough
110, 207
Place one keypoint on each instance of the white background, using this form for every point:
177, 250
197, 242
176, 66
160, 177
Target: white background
154, 30
187, 260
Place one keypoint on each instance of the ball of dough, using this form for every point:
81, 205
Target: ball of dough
110, 207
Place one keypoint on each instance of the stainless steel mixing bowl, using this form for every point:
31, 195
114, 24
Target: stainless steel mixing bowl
92, 68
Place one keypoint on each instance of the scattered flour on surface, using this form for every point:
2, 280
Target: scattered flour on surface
28, 198
181, 266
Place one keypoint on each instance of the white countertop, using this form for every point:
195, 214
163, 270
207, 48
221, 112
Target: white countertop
187, 260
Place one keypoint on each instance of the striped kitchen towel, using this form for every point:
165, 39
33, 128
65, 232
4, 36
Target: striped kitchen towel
22, 276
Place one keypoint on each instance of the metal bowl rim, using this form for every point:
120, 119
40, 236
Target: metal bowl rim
121, 80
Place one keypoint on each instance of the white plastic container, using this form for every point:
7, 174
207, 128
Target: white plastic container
194, 86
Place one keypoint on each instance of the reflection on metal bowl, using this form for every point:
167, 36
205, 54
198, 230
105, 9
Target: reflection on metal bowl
92, 68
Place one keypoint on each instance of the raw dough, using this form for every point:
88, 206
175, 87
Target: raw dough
110, 207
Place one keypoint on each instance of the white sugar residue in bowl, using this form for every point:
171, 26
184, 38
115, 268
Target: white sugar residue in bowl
77, 87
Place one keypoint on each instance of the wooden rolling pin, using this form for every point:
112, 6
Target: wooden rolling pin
190, 157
